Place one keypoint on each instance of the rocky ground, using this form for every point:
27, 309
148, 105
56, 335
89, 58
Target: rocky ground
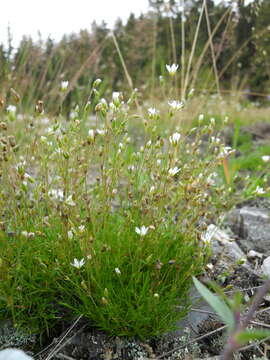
239, 261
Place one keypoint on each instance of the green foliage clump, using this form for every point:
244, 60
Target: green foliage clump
102, 222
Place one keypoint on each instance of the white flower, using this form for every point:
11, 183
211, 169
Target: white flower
112, 107
174, 139
64, 85
11, 109
57, 194
153, 112
103, 101
176, 105
201, 117
131, 168
213, 121
81, 228
173, 171
172, 69
148, 144
156, 295
70, 235
101, 132
208, 235
211, 179
117, 270
158, 162
215, 139
29, 178
78, 263
152, 189
141, 231
102, 106
259, 191
96, 83
266, 158
91, 134
69, 201
115, 96
225, 151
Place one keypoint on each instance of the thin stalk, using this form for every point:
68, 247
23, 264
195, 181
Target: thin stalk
232, 344
86, 63
193, 50
206, 46
210, 35
129, 80
182, 48
172, 37
154, 59
236, 54
226, 170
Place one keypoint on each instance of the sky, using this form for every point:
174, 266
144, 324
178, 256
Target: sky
57, 17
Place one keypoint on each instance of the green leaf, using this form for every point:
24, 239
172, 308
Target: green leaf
216, 303
251, 335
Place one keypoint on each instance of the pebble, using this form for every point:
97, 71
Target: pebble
14, 354
266, 266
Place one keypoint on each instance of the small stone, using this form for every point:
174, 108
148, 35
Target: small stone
14, 354
266, 266
252, 227
252, 254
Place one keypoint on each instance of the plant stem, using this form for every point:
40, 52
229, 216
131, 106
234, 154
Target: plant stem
232, 344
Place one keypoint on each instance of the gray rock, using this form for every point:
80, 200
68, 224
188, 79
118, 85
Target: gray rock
209, 358
224, 246
252, 227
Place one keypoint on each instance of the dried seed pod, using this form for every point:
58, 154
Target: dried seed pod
39, 108
3, 126
15, 95
12, 140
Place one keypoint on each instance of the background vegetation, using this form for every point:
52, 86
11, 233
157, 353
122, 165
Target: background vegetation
237, 36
